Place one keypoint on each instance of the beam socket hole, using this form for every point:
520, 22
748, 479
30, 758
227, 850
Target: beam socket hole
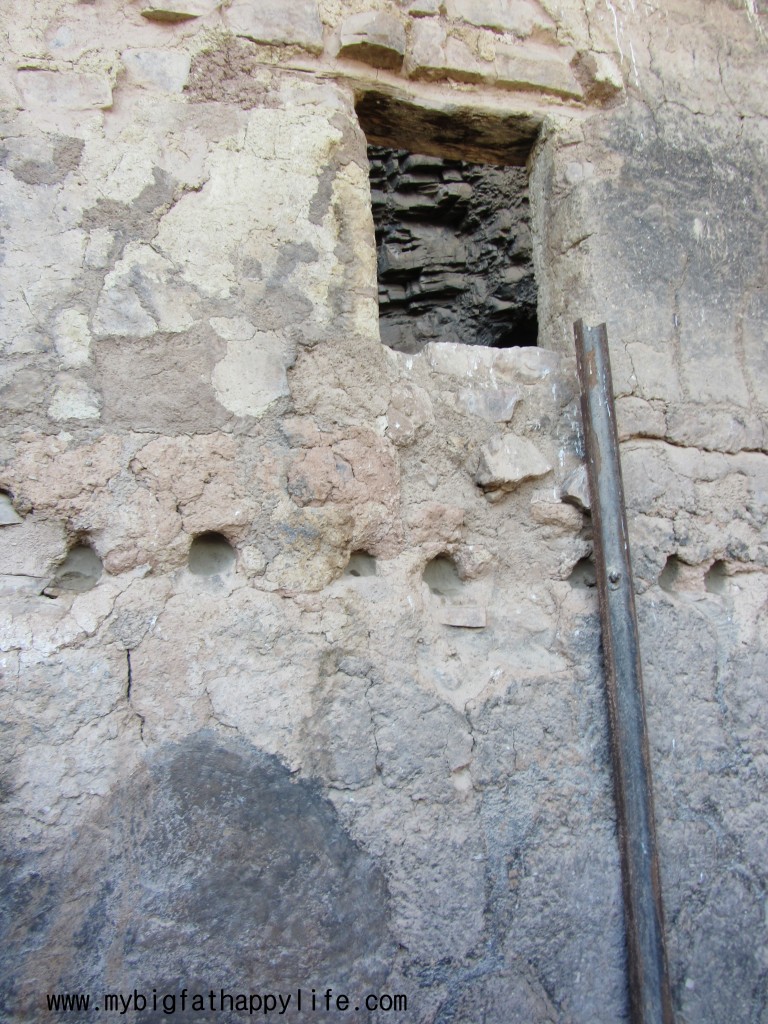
442, 576
211, 554
716, 579
583, 574
80, 571
361, 564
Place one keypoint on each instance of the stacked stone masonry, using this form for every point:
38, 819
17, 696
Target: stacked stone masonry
454, 251
301, 671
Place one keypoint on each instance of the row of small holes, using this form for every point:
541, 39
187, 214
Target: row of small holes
210, 554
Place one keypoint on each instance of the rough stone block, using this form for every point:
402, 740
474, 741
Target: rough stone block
72, 338
268, 21
457, 360
159, 69
575, 489
540, 68
432, 54
426, 51
69, 90
527, 365
520, 17
655, 371
637, 418
32, 548
511, 365
495, 404
721, 429
13, 586
599, 75
142, 295
179, 10
548, 512
252, 374
8, 514
74, 400
374, 37
506, 461
423, 8
409, 414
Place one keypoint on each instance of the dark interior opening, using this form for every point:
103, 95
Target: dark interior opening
449, 192
453, 241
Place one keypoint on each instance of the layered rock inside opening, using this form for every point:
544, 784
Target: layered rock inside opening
453, 241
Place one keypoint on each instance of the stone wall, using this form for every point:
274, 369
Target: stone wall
302, 684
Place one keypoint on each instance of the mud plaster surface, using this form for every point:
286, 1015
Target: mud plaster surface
195, 349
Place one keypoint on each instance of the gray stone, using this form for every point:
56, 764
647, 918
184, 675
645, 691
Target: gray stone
494, 404
8, 514
374, 37
409, 414
575, 489
521, 17
269, 21
505, 461
157, 68
32, 548
68, 90
422, 8
526, 365
74, 400
546, 71
598, 73
433, 54
179, 10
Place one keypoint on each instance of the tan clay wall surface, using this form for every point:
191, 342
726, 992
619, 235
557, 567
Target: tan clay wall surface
281, 769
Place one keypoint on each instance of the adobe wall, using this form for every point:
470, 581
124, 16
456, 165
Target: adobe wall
368, 750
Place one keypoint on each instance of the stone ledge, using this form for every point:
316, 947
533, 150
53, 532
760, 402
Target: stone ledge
520, 17
182, 10
267, 21
373, 37
433, 55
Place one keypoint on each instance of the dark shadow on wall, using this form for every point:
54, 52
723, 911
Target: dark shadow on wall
212, 867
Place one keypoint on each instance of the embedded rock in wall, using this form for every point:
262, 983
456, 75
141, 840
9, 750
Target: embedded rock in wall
454, 251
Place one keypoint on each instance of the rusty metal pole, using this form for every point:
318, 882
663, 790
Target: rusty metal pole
649, 992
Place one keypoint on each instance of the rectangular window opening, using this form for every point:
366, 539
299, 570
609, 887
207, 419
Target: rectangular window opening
453, 234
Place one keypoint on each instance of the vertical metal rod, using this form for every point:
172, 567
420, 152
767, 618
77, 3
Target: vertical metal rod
649, 992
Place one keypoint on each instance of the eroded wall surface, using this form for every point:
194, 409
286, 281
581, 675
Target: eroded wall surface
368, 750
